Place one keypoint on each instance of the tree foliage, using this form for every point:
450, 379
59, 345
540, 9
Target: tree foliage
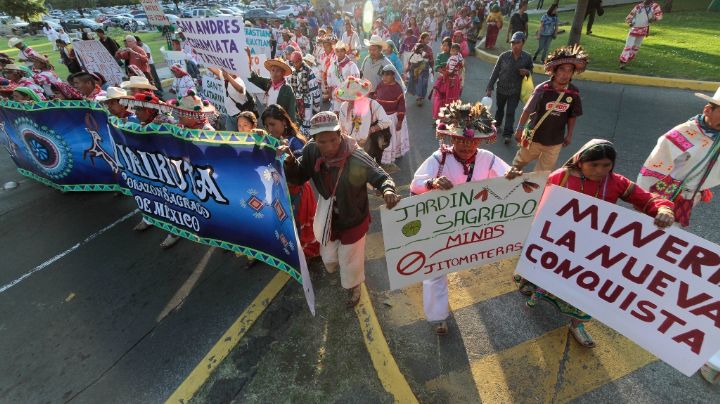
26, 9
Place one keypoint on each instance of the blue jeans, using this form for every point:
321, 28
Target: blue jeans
543, 45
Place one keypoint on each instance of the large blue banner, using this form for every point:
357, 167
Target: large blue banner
63, 144
224, 189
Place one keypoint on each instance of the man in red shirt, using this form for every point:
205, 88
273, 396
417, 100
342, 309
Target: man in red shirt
136, 56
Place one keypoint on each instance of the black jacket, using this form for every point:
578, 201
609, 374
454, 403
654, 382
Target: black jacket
351, 203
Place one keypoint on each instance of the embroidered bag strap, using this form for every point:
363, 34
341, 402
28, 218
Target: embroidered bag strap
442, 163
548, 112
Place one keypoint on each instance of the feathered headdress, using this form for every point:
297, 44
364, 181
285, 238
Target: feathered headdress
574, 55
466, 121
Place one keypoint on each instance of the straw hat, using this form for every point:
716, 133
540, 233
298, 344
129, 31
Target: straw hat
138, 82
14, 41
353, 88
466, 121
715, 99
377, 41
112, 93
277, 62
310, 59
193, 106
340, 45
146, 99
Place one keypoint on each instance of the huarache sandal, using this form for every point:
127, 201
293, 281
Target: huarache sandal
142, 226
354, 297
581, 336
442, 328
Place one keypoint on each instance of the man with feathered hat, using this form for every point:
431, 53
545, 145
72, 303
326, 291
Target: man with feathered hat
466, 126
553, 107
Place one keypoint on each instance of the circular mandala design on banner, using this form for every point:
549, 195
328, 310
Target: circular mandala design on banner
47, 150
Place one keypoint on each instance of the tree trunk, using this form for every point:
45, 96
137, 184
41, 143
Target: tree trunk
578, 21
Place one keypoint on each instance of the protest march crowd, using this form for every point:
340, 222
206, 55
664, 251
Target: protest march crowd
337, 97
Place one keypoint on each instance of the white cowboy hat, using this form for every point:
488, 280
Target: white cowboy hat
376, 40
113, 93
715, 99
13, 41
138, 82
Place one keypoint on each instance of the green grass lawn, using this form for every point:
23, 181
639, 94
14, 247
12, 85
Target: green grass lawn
39, 43
684, 44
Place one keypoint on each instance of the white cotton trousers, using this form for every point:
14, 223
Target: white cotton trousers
349, 257
435, 299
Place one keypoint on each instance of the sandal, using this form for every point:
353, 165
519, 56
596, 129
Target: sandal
354, 297
581, 336
441, 328
142, 226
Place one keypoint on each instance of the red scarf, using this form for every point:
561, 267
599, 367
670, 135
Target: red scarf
465, 163
347, 146
276, 86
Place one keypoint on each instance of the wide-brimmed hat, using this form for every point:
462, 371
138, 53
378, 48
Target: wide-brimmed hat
574, 55
177, 68
5, 59
376, 40
137, 82
13, 41
146, 99
277, 62
467, 121
18, 68
309, 59
193, 106
715, 99
327, 39
353, 88
340, 45
112, 93
325, 121
36, 57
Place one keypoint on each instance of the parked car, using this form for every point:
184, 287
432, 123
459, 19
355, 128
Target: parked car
81, 24
127, 24
286, 11
256, 13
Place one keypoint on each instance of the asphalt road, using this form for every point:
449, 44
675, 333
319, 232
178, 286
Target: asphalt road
107, 316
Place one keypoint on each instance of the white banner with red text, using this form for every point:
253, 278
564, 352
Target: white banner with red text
658, 287
472, 224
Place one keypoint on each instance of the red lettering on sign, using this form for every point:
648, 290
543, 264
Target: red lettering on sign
411, 263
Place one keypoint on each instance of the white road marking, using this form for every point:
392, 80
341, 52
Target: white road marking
66, 252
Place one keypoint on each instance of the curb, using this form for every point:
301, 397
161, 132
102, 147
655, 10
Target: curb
387, 369
618, 78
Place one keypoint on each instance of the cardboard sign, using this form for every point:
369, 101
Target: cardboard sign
472, 224
94, 58
154, 12
218, 42
658, 287
214, 90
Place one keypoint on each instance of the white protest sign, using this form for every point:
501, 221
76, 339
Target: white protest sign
258, 39
214, 90
96, 59
154, 12
218, 42
174, 57
476, 223
658, 287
